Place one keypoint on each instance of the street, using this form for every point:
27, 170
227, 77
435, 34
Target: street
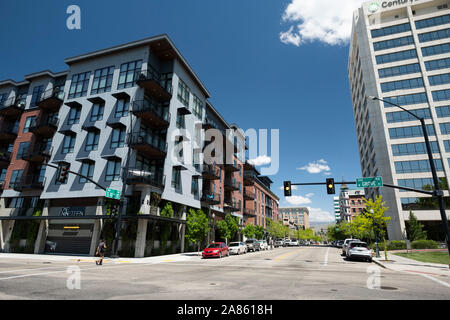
296, 273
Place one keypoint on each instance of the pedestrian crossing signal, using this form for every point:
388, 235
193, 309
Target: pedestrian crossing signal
287, 189
330, 186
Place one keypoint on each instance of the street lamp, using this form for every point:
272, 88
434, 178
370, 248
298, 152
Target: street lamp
438, 192
375, 233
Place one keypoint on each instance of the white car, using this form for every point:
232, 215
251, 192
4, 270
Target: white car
293, 243
237, 248
263, 245
278, 243
287, 243
359, 250
345, 245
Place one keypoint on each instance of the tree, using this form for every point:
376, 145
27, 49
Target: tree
197, 226
248, 231
373, 218
414, 229
228, 227
259, 232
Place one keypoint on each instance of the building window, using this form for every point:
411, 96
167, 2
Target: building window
92, 141
16, 176
36, 97
74, 115
414, 148
129, 73
122, 108
393, 43
401, 116
183, 93
113, 170
439, 79
403, 84
431, 22
396, 56
176, 178
180, 121
23, 149
118, 138
87, 169
434, 35
407, 99
97, 111
194, 187
68, 143
435, 50
437, 64
15, 203
102, 80
79, 85
197, 109
391, 30
28, 123
399, 70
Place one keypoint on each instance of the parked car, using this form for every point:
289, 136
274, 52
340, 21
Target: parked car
344, 246
278, 243
216, 249
252, 245
359, 250
263, 244
286, 242
339, 243
237, 248
293, 243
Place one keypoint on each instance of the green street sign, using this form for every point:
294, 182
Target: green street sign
113, 194
372, 182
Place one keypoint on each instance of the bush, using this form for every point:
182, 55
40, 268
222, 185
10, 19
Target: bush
392, 245
424, 244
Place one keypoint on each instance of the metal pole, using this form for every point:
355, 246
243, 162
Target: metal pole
375, 233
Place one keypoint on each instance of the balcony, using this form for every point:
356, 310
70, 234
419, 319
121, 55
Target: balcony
210, 172
51, 100
249, 212
40, 153
7, 132
210, 198
154, 84
137, 176
28, 183
231, 185
152, 112
5, 158
153, 147
45, 126
249, 195
249, 179
12, 108
232, 205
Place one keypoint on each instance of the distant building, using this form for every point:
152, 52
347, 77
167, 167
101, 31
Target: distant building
337, 209
295, 217
351, 203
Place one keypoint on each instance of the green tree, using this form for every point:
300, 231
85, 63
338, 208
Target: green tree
259, 232
228, 227
197, 226
167, 211
248, 231
414, 229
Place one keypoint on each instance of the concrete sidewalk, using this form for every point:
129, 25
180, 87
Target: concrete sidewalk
397, 263
73, 258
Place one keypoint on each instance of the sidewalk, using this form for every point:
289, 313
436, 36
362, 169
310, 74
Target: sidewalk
397, 263
72, 258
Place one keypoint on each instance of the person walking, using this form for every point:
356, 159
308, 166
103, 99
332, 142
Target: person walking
100, 252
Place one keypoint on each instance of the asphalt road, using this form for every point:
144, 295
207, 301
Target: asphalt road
283, 273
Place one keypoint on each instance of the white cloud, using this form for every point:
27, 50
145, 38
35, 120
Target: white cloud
292, 187
317, 167
319, 215
327, 21
298, 200
260, 161
309, 195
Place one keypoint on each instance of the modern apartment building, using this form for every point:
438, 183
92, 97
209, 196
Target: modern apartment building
351, 203
134, 118
400, 52
295, 216
337, 209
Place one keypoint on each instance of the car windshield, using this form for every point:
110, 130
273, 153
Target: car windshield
214, 245
358, 244
249, 241
234, 244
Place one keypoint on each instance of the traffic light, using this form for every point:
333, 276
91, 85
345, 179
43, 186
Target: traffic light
330, 186
63, 173
115, 208
287, 189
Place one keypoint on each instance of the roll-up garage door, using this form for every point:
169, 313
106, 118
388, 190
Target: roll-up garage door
69, 238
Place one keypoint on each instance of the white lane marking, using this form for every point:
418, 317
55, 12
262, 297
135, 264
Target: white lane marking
20, 270
325, 262
445, 284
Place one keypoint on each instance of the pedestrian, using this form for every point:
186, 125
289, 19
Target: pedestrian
100, 252
271, 243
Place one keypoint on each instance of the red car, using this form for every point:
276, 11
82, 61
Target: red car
216, 249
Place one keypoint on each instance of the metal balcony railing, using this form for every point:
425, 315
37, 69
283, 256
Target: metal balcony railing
151, 106
139, 176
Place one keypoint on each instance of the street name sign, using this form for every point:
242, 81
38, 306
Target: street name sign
372, 182
113, 194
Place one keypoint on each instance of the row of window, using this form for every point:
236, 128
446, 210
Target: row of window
390, 30
407, 149
417, 183
396, 56
393, 43
410, 132
439, 79
431, 22
183, 96
401, 116
92, 139
402, 84
407, 99
437, 64
399, 70
434, 35
97, 111
437, 49
417, 166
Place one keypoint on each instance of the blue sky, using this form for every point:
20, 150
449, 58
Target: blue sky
298, 85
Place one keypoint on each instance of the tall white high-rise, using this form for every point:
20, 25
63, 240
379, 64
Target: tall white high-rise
400, 52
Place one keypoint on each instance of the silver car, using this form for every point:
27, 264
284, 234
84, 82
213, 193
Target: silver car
345, 245
359, 250
237, 248
263, 244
